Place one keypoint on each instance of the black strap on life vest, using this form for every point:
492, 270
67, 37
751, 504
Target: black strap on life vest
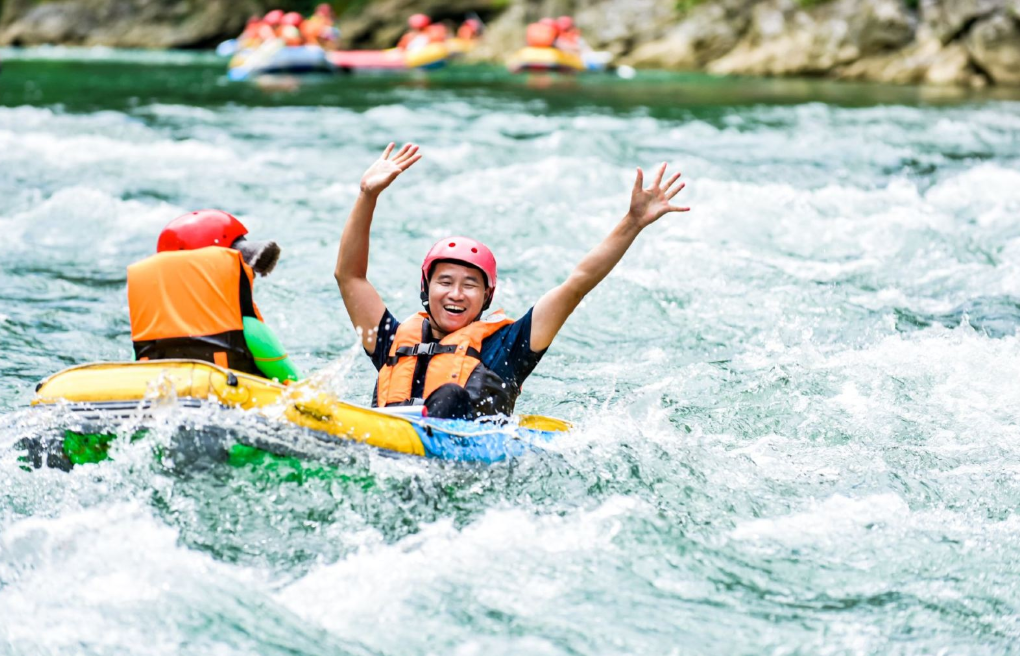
425, 350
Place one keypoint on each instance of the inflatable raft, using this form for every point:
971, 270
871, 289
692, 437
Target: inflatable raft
429, 57
275, 57
104, 393
554, 60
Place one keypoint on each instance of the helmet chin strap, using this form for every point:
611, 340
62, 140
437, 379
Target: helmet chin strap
424, 294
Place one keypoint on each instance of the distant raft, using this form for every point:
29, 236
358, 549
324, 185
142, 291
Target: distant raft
273, 57
104, 393
429, 57
554, 60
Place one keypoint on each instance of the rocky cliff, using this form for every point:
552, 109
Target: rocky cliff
959, 42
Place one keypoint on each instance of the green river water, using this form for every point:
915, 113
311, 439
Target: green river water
798, 428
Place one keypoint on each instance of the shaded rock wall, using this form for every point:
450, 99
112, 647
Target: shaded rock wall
958, 42
962, 42
123, 23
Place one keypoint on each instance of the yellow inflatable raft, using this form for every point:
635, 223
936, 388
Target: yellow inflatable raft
114, 385
545, 59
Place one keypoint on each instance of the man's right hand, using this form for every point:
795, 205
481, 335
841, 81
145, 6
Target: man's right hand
385, 170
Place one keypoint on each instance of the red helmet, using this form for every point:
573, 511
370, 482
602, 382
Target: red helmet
200, 229
274, 17
292, 18
466, 251
551, 22
419, 21
565, 23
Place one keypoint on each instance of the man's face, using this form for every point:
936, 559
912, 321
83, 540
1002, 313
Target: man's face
456, 295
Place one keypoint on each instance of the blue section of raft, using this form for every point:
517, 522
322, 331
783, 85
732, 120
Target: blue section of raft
478, 441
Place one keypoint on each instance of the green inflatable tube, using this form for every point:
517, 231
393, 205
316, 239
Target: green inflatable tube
270, 356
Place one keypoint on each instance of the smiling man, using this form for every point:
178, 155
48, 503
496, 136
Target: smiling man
449, 358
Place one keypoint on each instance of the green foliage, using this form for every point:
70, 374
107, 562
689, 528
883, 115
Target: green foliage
684, 6
807, 4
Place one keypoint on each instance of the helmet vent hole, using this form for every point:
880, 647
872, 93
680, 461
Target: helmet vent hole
474, 250
453, 244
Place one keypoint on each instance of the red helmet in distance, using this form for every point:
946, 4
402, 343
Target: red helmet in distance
419, 21
461, 250
274, 17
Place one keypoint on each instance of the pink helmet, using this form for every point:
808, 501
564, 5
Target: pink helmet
292, 18
419, 21
463, 250
274, 17
565, 23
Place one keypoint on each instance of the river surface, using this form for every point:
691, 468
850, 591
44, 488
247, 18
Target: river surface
798, 428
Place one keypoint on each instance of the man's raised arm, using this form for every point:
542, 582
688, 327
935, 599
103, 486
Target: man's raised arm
363, 303
646, 207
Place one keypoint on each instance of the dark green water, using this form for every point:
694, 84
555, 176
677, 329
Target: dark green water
796, 405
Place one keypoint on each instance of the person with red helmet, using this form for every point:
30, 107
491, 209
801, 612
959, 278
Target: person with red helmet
416, 35
270, 25
448, 357
290, 29
193, 298
569, 37
470, 29
542, 34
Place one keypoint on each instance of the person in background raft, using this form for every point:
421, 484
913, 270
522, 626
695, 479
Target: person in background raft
569, 38
250, 36
320, 28
270, 25
448, 358
542, 34
193, 298
470, 29
416, 36
290, 29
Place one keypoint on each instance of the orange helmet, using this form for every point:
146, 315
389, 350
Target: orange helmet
419, 21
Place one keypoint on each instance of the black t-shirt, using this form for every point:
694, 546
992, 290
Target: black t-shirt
507, 352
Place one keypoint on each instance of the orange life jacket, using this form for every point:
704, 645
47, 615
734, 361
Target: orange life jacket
417, 366
192, 304
312, 29
539, 35
407, 38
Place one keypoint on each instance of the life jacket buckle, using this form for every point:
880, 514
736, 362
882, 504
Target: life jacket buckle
424, 349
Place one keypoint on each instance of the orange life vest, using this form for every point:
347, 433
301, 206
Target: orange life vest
417, 366
540, 35
407, 38
192, 304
